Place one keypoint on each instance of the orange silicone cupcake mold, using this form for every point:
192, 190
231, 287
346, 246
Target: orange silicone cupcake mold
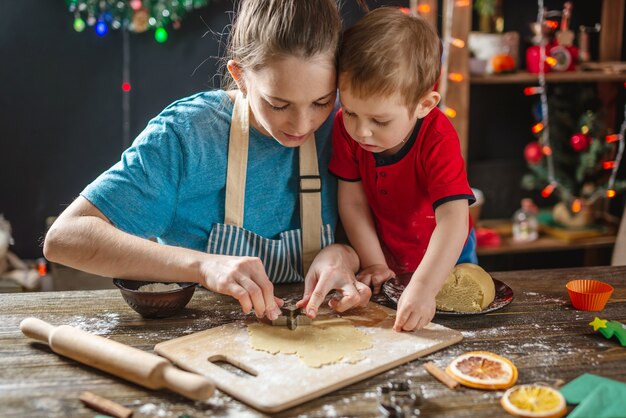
589, 295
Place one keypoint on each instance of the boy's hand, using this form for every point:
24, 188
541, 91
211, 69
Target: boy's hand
375, 275
416, 308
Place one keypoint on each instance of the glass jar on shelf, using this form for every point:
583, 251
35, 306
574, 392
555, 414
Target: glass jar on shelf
525, 224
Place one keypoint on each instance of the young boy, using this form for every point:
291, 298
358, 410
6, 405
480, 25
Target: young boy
403, 191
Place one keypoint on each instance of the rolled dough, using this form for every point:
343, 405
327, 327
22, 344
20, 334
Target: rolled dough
327, 340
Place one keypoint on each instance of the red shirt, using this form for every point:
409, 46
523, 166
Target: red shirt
404, 190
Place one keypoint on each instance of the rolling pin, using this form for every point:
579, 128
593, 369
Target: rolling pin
145, 369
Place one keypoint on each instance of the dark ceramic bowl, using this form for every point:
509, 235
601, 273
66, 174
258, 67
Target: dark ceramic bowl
155, 304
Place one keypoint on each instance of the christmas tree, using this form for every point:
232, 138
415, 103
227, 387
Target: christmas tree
582, 150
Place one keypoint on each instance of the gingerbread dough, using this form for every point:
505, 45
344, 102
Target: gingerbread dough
327, 340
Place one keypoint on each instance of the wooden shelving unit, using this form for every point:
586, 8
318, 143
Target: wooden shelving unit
523, 77
545, 243
611, 39
593, 250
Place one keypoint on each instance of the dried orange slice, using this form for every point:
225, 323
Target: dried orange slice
534, 401
483, 370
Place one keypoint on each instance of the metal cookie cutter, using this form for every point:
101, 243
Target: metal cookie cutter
399, 399
291, 317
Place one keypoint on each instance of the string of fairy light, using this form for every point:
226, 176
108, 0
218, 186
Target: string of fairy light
134, 15
542, 127
423, 8
130, 16
449, 42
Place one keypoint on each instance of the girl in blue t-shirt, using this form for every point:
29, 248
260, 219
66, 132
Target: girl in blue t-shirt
233, 184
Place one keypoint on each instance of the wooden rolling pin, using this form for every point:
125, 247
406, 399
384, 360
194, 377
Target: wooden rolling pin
145, 369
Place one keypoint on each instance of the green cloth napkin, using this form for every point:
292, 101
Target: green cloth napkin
596, 396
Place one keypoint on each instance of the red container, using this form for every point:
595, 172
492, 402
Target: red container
589, 295
566, 58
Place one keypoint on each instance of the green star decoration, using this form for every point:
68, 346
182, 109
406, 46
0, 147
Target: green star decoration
598, 323
610, 329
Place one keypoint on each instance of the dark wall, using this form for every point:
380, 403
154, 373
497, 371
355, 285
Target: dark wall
61, 102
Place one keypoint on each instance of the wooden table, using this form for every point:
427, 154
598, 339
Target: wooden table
547, 339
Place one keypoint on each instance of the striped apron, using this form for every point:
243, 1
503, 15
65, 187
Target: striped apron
287, 258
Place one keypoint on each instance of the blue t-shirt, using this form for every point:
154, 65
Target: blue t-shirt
170, 183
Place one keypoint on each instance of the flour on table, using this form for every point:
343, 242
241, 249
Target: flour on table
325, 341
158, 287
100, 324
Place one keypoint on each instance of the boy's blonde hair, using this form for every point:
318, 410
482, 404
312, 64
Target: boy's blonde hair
389, 52
266, 29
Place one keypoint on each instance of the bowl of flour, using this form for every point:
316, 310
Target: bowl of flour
155, 299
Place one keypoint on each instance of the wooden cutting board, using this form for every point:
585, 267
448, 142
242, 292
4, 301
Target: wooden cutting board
277, 382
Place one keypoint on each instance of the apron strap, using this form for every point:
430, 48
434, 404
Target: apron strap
310, 203
310, 183
237, 162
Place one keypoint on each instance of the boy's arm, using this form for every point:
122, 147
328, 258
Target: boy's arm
358, 223
444, 249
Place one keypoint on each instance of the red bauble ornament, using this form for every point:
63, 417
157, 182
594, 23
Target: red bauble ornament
580, 142
533, 153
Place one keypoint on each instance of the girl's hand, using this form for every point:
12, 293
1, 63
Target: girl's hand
375, 275
416, 308
333, 269
245, 279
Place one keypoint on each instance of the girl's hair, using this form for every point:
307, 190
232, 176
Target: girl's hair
389, 52
266, 29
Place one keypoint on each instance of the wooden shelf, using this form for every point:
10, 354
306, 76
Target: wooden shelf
523, 77
542, 244
545, 243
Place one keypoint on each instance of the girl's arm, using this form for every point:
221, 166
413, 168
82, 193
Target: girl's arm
82, 237
416, 306
358, 223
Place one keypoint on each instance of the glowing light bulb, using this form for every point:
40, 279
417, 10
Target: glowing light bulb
576, 205
79, 24
160, 35
547, 191
101, 28
126, 86
612, 138
530, 91
462, 3
449, 112
459, 43
456, 77
608, 165
610, 193
551, 61
546, 150
552, 24
423, 9
537, 127
135, 4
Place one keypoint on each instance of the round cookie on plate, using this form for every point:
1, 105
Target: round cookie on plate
468, 288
